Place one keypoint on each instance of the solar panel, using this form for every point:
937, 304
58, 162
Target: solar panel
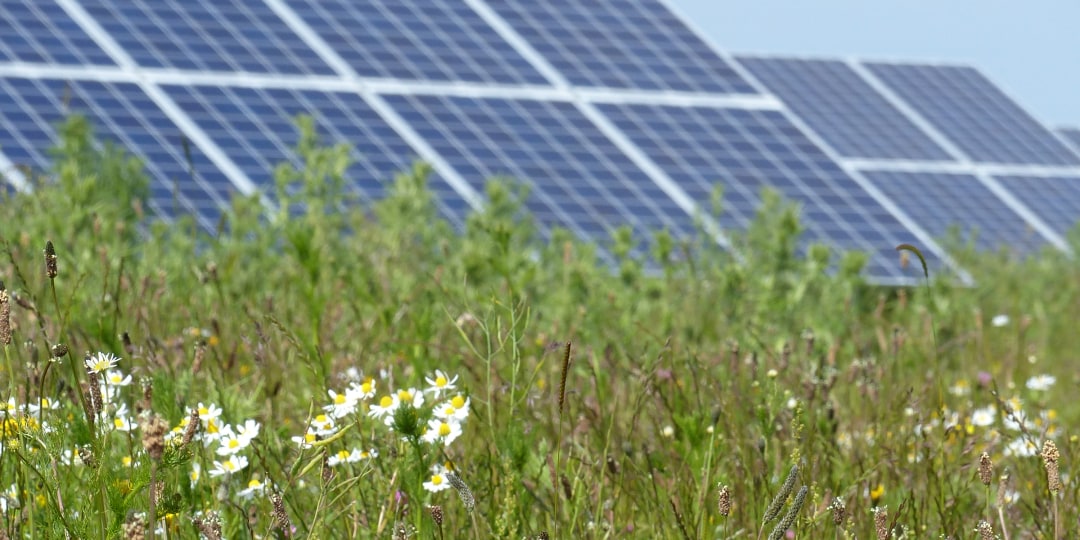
636, 44
1056, 199
940, 201
613, 112
579, 179
31, 109
852, 117
974, 114
256, 128
210, 35
442, 40
744, 151
41, 31
1072, 135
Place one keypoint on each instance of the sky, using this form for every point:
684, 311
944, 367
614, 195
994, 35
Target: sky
1030, 49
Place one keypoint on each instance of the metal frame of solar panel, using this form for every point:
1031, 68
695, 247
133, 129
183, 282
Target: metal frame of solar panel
630, 123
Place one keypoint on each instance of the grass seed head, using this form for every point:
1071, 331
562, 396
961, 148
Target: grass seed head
839, 511
210, 527
777, 504
1050, 458
985, 530
790, 516
881, 522
723, 501
986, 469
153, 430
280, 515
436, 514
463, 491
93, 387
134, 528
50, 260
192, 427
5, 316
1003, 488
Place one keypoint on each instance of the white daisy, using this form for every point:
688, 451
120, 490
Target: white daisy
1041, 382
440, 383
254, 487
100, 362
983, 417
444, 430
438, 481
114, 377
232, 465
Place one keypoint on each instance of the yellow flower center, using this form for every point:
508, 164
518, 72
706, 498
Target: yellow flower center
404, 395
203, 411
321, 419
339, 399
368, 386
254, 483
444, 429
230, 465
386, 402
309, 437
126, 461
233, 443
212, 427
436, 479
458, 402
440, 381
118, 422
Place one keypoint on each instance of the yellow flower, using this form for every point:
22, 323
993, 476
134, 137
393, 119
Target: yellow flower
877, 493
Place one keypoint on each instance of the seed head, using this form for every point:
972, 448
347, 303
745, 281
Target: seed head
50, 260
881, 522
93, 387
777, 504
839, 511
192, 427
210, 527
1003, 487
134, 528
154, 429
789, 517
1050, 461
281, 517
463, 491
723, 501
985, 530
5, 316
436, 514
986, 469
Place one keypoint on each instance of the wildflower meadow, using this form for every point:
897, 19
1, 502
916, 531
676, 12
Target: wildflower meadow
328, 367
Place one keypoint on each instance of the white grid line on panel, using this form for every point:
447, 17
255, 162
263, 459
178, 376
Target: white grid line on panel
11, 173
167, 105
166, 76
623, 143
507, 32
993, 169
921, 234
332, 58
988, 181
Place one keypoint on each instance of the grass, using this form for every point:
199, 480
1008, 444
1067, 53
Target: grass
290, 376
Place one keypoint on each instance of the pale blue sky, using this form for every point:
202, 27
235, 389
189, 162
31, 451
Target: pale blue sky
1031, 49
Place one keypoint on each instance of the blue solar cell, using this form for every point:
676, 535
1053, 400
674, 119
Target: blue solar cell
939, 201
211, 35
579, 179
744, 151
977, 116
30, 111
42, 31
620, 44
1072, 135
257, 129
843, 109
1056, 200
442, 40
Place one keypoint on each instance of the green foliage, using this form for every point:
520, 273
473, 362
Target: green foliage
694, 369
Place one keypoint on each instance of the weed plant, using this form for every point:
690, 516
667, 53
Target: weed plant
330, 369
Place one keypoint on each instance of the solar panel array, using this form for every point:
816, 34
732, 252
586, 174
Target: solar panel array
615, 113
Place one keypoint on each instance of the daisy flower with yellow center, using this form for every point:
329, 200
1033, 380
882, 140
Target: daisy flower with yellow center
438, 480
100, 362
385, 407
440, 383
439, 429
